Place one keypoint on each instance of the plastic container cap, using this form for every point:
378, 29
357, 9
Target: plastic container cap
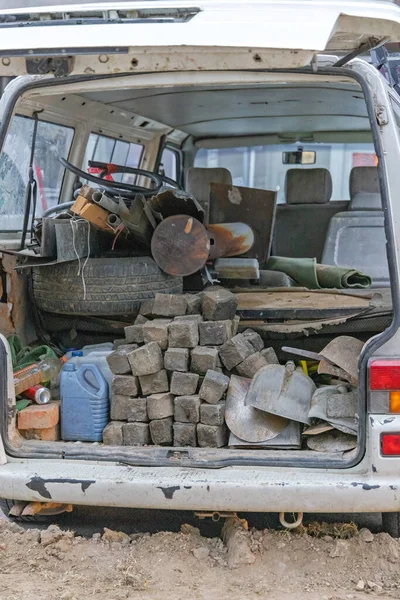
69, 367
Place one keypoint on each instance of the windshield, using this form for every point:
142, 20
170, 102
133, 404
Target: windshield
263, 167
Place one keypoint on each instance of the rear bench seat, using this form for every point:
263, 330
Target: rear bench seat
302, 223
356, 238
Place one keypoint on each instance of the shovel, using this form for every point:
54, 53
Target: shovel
244, 421
283, 391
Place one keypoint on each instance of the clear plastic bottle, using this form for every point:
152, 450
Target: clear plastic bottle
50, 367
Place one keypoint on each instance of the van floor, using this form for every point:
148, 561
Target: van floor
55, 564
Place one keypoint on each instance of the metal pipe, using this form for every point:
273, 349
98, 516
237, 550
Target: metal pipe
105, 202
113, 220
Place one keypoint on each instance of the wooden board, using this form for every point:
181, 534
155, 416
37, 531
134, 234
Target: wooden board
298, 305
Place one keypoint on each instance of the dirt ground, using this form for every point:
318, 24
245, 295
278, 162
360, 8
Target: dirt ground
318, 563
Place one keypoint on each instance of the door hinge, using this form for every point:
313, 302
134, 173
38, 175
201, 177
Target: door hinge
59, 66
381, 115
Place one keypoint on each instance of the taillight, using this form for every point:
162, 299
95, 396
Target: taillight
384, 375
390, 444
384, 385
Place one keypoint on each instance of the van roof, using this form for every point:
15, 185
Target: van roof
127, 36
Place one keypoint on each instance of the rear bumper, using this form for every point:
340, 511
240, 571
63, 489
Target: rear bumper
234, 489
372, 486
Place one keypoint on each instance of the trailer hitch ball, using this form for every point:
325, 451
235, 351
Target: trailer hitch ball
295, 523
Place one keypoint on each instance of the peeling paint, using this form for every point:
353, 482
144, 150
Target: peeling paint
366, 486
38, 484
169, 491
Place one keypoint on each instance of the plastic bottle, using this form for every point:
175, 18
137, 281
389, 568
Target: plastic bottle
85, 403
50, 367
103, 347
98, 358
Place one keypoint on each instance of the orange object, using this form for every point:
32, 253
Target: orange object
394, 402
39, 416
92, 213
48, 434
27, 377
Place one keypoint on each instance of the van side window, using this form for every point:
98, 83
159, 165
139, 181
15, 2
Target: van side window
111, 150
169, 165
52, 142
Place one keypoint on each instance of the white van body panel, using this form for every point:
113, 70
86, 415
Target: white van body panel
221, 35
372, 486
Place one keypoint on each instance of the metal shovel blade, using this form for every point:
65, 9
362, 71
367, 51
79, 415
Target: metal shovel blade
333, 404
283, 391
289, 439
332, 441
245, 422
325, 368
344, 351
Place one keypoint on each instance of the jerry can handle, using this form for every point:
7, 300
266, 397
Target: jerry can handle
100, 391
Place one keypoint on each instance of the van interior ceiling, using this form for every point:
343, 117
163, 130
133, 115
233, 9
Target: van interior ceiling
205, 261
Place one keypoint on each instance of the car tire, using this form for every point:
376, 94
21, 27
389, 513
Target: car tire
114, 286
6, 506
391, 524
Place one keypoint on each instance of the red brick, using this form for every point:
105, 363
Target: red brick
39, 416
50, 434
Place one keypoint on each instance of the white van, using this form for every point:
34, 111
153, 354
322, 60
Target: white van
187, 89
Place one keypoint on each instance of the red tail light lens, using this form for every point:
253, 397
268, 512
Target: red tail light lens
384, 375
390, 444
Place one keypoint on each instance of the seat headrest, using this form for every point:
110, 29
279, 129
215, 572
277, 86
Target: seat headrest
364, 179
308, 186
365, 201
198, 181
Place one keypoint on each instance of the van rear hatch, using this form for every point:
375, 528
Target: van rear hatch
110, 38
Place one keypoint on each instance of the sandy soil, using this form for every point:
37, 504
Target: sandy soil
58, 565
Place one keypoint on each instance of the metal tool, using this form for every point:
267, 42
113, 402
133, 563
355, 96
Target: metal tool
332, 441
245, 422
282, 390
323, 407
344, 351
289, 439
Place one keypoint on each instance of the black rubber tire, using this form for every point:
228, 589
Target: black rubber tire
114, 286
391, 524
6, 506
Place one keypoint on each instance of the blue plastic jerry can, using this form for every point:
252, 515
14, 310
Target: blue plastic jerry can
85, 403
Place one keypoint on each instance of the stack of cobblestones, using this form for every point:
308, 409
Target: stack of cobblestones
172, 370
